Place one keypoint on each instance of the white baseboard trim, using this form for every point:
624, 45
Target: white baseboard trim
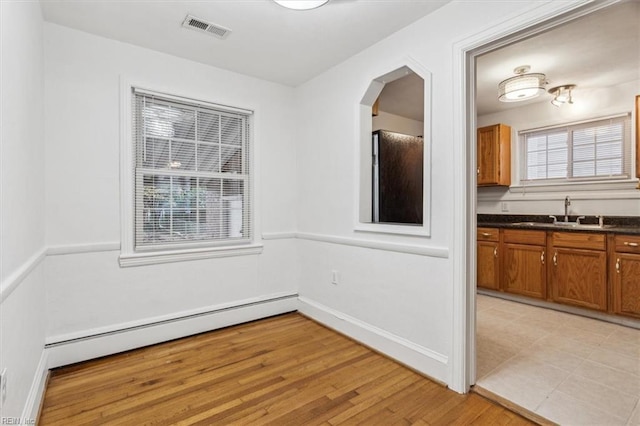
12, 282
441, 252
36, 392
95, 343
419, 358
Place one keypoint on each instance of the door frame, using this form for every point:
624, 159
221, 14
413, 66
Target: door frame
541, 18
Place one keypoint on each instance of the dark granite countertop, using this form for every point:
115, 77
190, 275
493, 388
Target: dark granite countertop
612, 224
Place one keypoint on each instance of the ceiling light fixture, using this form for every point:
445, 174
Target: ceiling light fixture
301, 4
562, 94
521, 87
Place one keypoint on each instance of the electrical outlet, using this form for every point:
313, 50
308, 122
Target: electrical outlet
3, 384
504, 206
335, 277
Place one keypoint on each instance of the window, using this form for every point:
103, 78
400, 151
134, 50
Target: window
191, 174
394, 152
592, 150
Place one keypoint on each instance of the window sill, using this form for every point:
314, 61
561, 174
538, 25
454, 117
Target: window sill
382, 228
156, 257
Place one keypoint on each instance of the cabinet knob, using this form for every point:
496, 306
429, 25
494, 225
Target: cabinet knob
627, 243
495, 252
542, 257
486, 234
618, 265
555, 259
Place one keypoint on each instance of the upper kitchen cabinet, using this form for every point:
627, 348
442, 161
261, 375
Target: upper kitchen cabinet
494, 155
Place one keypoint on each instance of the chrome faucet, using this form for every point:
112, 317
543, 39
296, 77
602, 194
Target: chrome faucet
567, 203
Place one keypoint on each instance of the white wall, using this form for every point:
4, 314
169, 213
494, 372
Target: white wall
22, 311
588, 104
406, 296
87, 292
396, 123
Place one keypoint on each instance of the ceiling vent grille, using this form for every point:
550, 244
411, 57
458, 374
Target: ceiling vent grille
203, 26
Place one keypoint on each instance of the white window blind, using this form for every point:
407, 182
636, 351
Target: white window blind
192, 175
590, 150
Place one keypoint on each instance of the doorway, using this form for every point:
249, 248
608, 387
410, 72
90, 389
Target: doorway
485, 46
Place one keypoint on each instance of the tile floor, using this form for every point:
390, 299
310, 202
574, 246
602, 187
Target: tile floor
569, 369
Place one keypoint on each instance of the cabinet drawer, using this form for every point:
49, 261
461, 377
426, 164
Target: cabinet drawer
520, 236
579, 240
627, 243
488, 234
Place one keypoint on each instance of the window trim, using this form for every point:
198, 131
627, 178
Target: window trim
128, 255
627, 158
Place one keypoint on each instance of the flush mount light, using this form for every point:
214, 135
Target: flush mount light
521, 87
562, 94
301, 4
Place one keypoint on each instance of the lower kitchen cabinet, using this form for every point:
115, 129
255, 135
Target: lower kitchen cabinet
488, 259
524, 271
625, 275
579, 270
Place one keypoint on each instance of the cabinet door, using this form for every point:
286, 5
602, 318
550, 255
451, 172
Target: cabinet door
524, 270
578, 277
488, 265
488, 155
626, 284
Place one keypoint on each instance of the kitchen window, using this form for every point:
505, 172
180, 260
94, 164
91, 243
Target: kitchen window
592, 151
191, 178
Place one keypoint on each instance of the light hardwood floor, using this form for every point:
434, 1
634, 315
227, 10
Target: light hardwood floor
285, 370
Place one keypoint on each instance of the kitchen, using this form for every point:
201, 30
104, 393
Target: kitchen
558, 309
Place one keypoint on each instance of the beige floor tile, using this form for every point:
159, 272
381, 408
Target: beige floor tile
604, 398
616, 360
634, 420
557, 342
627, 334
592, 325
617, 379
555, 357
614, 343
569, 411
581, 335
518, 389
532, 370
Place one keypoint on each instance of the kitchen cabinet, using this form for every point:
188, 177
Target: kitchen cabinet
488, 258
524, 268
625, 275
494, 155
578, 269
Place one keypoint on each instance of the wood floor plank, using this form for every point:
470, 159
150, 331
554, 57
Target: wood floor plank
281, 370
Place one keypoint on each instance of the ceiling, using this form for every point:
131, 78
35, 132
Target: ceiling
267, 41
404, 97
599, 50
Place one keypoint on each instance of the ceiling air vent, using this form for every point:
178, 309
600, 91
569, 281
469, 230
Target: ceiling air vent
205, 27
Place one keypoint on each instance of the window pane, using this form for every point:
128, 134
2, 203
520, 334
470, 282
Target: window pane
557, 140
609, 150
155, 153
231, 159
584, 169
536, 143
557, 171
610, 167
208, 127
537, 172
584, 152
557, 156
183, 155
208, 158
231, 130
